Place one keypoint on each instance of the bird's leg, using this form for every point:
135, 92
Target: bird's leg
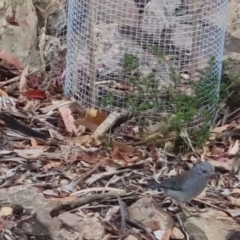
184, 209
197, 209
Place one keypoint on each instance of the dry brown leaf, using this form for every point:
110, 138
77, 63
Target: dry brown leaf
105, 126
55, 134
234, 149
23, 80
51, 192
234, 212
234, 201
218, 164
236, 190
221, 129
120, 155
3, 93
150, 138
68, 119
80, 140
92, 116
56, 105
20, 180
33, 142
123, 147
235, 165
216, 151
29, 153
90, 157
222, 159
10, 59
85, 123
168, 146
50, 165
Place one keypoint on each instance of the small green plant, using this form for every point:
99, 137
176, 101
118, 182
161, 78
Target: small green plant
193, 112
190, 111
130, 62
142, 88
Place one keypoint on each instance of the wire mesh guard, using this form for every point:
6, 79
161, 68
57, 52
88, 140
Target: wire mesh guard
148, 56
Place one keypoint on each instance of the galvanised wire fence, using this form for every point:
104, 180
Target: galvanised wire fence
150, 57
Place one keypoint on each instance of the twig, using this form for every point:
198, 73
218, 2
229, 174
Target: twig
140, 226
98, 189
107, 237
232, 113
81, 201
189, 142
90, 172
211, 205
123, 212
15, 79
224, 119
96, 177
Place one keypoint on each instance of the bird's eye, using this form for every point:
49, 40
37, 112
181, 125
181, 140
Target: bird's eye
204, 171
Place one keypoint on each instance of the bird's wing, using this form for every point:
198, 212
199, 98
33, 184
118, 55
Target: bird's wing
175, 182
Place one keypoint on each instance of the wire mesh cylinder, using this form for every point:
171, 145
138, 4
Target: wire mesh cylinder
146, 55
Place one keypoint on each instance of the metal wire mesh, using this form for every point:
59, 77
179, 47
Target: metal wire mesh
148, 56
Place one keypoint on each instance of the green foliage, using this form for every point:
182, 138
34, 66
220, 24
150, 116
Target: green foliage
108, 99
130, 62
196, 107
143, 87
185, 108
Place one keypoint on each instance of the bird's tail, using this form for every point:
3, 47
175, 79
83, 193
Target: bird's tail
152, 185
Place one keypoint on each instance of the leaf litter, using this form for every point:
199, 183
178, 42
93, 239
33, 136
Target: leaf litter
95, 179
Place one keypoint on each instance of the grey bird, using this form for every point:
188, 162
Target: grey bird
187, 185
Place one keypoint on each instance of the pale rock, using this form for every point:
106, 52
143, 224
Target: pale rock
130, 237
69, 219
149, 214
22, 41
90, 230
177, 234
